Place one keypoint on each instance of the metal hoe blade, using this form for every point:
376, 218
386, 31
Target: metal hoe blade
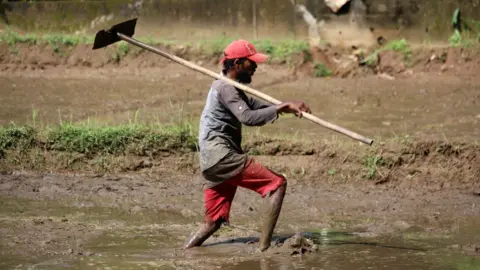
104, 38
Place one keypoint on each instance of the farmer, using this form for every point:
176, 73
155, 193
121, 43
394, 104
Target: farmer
223, 163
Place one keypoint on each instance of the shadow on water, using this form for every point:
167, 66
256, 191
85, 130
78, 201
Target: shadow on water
318, 238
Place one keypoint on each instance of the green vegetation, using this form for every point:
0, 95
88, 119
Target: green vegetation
135, 139
16, 137
281, 50
400, 46
322, 71
371, 163
12, 38
460, 38
465, 39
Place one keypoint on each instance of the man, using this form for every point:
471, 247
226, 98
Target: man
223, 163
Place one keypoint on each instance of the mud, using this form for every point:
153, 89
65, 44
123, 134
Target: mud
58, 219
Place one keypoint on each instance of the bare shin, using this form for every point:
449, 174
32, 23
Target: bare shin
208, 228
271, 216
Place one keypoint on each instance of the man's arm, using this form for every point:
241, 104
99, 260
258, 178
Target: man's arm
248, 114
256, 104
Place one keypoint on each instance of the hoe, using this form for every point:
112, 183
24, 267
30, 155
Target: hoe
125, 30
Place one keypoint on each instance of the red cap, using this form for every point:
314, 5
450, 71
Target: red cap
243, 49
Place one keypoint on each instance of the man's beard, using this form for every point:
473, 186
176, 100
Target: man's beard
244, 77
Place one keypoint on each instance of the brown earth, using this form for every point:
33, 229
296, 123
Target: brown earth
425, 122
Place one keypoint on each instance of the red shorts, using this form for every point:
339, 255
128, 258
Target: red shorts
254, 177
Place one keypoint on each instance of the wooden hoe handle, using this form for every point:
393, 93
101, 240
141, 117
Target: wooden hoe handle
247, 89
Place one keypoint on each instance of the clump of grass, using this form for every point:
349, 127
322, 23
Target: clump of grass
371, 163
123, 48
400, 46
281, 50
12, 38
57, 40
136, 139
322, 71
460, 38
16, 137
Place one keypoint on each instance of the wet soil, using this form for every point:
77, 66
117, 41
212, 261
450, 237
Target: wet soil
66, 219
424, 215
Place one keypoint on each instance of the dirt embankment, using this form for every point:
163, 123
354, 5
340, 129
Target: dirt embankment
315, 62
431, 165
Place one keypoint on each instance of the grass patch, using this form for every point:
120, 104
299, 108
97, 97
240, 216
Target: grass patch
279, 50
133, 139
400, 46
463, 40
16, 137
56, 41
11, 38
322, 71
371, 163
460, 38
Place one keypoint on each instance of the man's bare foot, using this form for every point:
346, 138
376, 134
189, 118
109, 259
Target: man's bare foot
208, 228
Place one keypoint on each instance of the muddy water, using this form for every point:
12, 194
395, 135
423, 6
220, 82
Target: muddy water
116, 239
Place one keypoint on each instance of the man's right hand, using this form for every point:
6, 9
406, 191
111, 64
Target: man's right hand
295, 107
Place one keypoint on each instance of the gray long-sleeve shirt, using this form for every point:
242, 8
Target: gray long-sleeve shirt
220, 135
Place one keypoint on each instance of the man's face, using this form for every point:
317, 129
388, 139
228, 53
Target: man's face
245, 71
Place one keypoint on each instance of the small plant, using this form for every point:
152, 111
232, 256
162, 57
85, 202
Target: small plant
16, 137
455, 39
332, 172
400, 46
372, 163
322, 71
123, 48
460, 38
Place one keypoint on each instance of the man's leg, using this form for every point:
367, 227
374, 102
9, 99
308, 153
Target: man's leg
263, 181
208, 228
272, 214
218, 201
